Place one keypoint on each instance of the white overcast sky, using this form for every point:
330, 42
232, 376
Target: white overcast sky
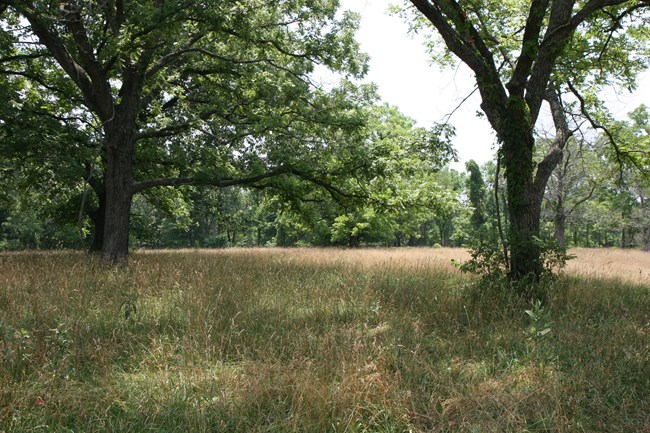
401, 68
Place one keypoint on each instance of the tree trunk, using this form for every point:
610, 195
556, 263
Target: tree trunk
119, 194
525, 251
524, 198
559, 223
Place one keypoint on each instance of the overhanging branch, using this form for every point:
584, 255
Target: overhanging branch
217, 182
594, 124
251, 181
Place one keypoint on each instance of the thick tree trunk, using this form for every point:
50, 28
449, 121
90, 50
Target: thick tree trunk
525, 262
524, 197
119, 194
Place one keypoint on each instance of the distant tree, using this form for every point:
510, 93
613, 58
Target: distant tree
571, 185
476, 195
634, 179
599, 190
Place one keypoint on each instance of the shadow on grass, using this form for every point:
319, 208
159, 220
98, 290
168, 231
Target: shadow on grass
338, 350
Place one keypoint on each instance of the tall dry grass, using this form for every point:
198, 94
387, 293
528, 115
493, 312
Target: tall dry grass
631, 266
295, 340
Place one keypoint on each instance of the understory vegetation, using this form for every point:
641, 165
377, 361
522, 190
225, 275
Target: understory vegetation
295, 340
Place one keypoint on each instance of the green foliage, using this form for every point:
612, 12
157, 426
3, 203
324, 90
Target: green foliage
597, 194
488, 263
540, 325
476, 195
204, 94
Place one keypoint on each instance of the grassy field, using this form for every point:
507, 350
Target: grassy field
302, 340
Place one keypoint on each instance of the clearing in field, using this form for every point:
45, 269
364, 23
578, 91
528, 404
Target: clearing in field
319, 340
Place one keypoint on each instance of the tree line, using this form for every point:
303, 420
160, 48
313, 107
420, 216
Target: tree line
589, 202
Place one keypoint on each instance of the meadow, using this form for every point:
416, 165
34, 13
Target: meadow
319, 340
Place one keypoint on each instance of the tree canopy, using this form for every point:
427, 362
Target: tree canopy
171, 93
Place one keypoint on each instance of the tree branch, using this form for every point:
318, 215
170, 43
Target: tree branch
596, 125
562, 134
166, 60
39, 81
59, 51
167, 131
582, 200
251, 181
463, 40
93, 68
217, 182
529, 46
30, 56
560, 28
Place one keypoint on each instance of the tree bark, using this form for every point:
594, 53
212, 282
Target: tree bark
559, 223
524, 197
119, 192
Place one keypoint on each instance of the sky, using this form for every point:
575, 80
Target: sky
403, 72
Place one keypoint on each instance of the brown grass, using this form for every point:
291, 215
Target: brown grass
364, 258
316, 340
630, 266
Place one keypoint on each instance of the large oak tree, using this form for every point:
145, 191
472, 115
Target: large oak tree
177, 92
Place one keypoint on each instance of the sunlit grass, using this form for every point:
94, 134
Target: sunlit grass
631, 266
317, 340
